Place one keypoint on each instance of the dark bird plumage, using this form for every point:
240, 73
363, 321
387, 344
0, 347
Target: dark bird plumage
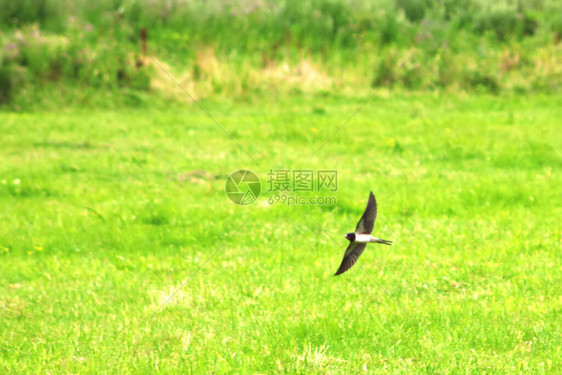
364, 227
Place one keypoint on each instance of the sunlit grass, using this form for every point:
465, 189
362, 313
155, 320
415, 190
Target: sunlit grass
104, 214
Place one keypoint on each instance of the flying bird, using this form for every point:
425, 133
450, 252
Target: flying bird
359, 239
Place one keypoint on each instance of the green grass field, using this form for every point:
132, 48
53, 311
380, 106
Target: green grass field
103, 214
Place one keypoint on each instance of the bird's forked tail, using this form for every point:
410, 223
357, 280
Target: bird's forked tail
380, 240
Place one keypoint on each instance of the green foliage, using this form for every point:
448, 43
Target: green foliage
24, 12
506, 24
384, 73
392, 28
36, 57
414, 9
476, 78
234, 48
11, 77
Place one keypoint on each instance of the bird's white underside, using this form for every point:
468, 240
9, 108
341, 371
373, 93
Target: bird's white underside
365, 238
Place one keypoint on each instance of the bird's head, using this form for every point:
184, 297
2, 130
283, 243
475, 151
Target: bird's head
350, 237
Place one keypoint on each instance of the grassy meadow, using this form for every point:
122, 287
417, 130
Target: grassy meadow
112, 186
105, 213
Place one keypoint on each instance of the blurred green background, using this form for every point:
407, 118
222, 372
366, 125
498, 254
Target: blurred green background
68, 51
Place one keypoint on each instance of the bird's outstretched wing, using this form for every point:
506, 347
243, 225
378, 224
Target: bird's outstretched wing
352, 253
367, 221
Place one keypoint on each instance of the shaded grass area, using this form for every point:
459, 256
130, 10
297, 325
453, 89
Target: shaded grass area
104, 214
